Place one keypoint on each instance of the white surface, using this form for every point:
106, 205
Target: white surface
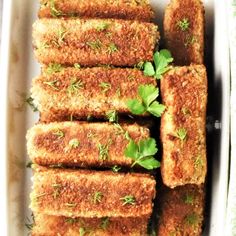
18, 67
231, 209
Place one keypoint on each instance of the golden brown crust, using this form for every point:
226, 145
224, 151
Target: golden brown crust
59, 225
185, 44
49, 144
182, 211
92, 98
184, 93
123, 9
91, 42
71, 193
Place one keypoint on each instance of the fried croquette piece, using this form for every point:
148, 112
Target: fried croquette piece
92, 42
86, 91
183, 135
82, 144
84, 193
184, 31
182, 211
122, 9
59, 225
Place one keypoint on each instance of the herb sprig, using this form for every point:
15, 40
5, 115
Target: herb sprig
161, 60
148, 94
183, 24
128, 200
143, 153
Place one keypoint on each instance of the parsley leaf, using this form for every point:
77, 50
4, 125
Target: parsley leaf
183, 24
143, 153
31, 103
148, 94
181, 134
162, 60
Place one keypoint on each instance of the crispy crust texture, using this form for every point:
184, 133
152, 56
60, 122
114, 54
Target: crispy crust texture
123, 9
91, 42
71, 193
49, 144
184, 93
101, 90
185, 44
59, 225
182, 211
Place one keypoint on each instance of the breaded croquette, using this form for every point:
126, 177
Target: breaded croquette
182, 211
82, 144
184, 31
84, 193
123, 9
59, 225
183, 126
92, 42
86, 91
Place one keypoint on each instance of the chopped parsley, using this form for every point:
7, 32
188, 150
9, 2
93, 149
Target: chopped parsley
183, 24
74, 143
116, 168
71, 220
143, 153
181, 134
105, 223
188, 199
95, 45
191, 219
54, 68
56, 190
162, 60
102, 26
53, 10
75, 86
198, 163
148, 95
53, 84
104, 150
128, 200
59, 133
82, 231
77, 66
105, 86
190, 39
112, 116
112, 48
97, 197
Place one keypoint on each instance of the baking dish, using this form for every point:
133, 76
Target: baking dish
18, 67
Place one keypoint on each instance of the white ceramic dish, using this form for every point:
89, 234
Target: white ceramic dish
18, 67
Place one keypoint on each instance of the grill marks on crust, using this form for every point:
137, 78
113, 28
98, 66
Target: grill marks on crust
102, 90
121, 43
133, 10
182, 211
184, 93
76, 193
52, 225
46, 148
185, 43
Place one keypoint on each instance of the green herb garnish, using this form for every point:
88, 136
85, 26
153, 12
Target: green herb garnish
54, 68
116, 168
82, 231
181, 134
105, 86
105, 223
190, 39
198, 162
183, 24
61, 34
188, 199
30, 222
29, 164
162, 60
191, 219
128, 200
140, 65
95, 45
54, 12
56, 190
59, 133
71, 220
30, 102
74, 86
74, 143
112, 48
112, 116
97, 197
148, 94
102, 26
104, 150
52, 84
143, 153
77, 65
